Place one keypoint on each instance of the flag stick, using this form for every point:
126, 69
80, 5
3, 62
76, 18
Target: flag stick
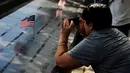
34, 30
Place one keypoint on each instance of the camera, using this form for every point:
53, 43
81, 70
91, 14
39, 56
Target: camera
75, 20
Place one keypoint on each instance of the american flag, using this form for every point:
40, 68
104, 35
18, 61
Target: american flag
28, 22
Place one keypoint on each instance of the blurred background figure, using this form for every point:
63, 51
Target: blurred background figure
58, 13
62, 3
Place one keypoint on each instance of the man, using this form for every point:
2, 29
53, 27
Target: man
121, 14
106, 48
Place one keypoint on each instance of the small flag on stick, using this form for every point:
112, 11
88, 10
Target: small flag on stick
28, 22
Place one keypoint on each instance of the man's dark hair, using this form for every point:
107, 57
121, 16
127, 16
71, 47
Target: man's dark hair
99, 15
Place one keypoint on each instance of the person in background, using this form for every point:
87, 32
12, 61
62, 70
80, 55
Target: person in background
120, 10
59, 13
105, 48
62, 3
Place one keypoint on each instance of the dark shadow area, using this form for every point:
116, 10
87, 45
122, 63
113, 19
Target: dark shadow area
56, 1
9, 6
20, 48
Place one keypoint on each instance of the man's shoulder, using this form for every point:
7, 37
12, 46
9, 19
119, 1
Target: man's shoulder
93, 40
100, 36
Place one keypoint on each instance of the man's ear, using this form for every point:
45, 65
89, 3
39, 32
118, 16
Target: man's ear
89, 25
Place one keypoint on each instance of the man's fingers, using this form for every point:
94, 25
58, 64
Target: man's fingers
66, 22
71, 24
61, 25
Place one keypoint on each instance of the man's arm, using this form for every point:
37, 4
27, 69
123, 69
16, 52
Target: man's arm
64, 60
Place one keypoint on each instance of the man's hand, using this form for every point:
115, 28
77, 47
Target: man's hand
65, 30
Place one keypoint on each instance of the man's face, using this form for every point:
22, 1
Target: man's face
81, 28
84, 29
